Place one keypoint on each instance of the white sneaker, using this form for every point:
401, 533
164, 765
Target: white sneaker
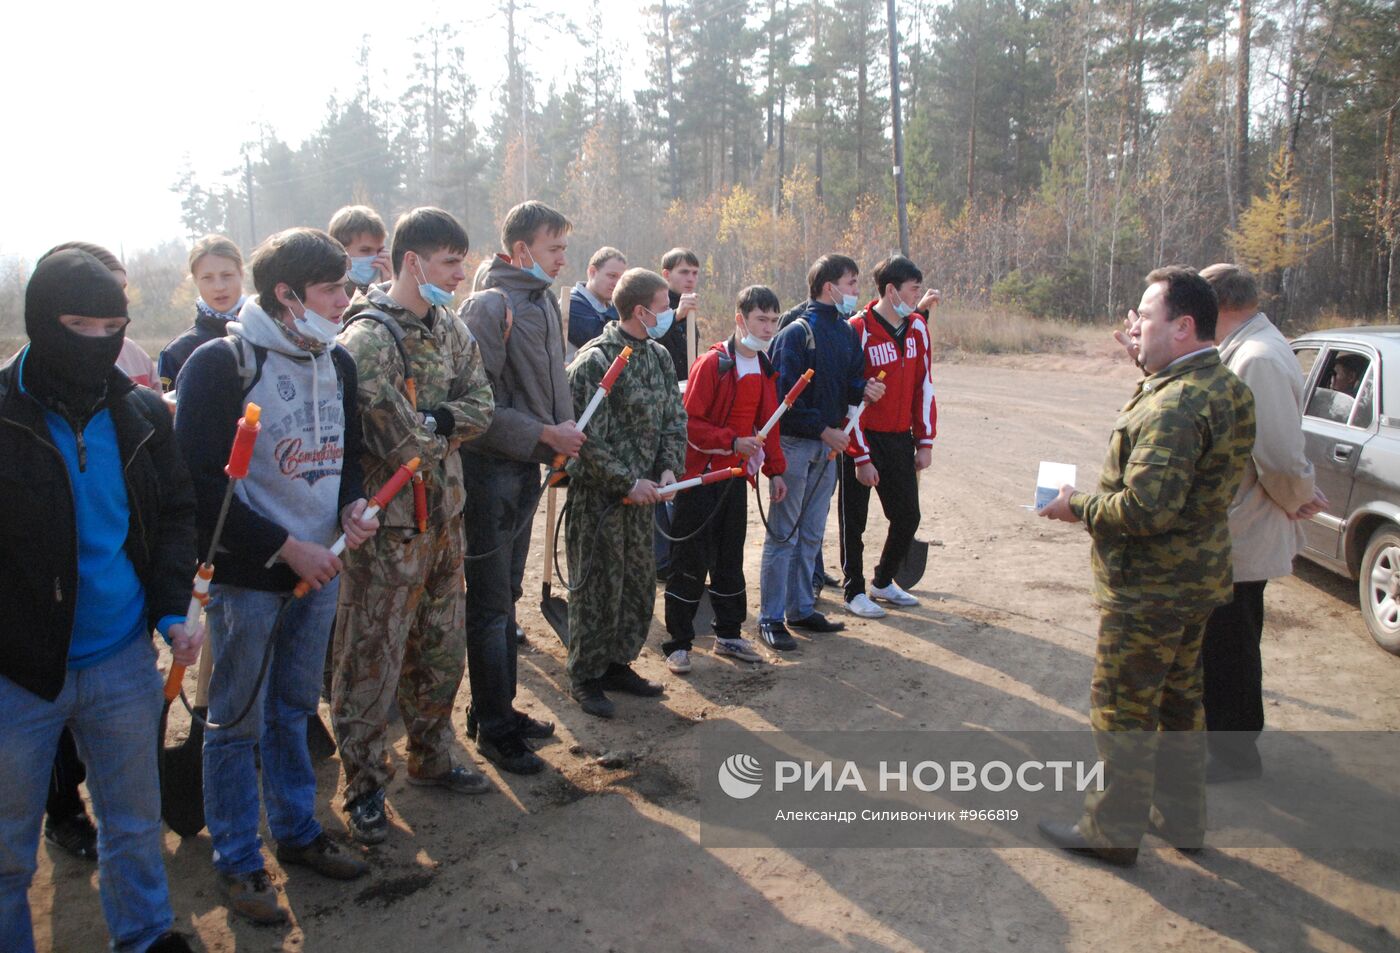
679, 662
894, 595
863, 607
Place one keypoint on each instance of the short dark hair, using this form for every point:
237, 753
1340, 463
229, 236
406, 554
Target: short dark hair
425, 231
895, 270
526, 220
355, 220
298, 257
1189, 293
218, 246
110, 261
676, 256
1356, 363
757, 298
604, 255
1235, 288
826, 269
636, 286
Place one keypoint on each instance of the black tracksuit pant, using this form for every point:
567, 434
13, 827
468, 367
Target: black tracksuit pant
898, 489
1234, 675
717, 551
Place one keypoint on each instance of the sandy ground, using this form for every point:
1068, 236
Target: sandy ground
590, 858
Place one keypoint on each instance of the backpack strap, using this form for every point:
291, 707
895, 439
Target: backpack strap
396, 332
249, 366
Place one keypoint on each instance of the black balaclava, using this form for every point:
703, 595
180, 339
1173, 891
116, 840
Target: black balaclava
63, 368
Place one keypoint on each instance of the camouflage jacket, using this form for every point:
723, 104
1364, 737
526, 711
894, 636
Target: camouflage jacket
1160, 518
450, 380
638, 431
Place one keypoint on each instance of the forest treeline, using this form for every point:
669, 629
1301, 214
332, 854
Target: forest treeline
1055, 150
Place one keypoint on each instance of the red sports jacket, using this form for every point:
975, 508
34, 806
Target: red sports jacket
909, 402
709, 397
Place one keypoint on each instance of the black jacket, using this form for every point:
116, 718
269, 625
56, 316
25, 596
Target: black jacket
39, 535
174, 355
674, 341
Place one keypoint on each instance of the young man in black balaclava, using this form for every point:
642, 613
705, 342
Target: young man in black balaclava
96, 550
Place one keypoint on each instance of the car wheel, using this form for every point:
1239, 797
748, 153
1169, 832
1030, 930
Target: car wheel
1379, 586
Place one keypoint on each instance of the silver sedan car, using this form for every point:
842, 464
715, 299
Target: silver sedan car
1351, 422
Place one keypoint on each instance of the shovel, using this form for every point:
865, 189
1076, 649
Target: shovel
182, 767
554, 609
911, 571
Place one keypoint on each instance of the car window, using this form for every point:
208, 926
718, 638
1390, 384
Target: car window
1307, 357
1345, 391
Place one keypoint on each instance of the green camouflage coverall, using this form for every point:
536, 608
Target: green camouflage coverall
400, 625
1161, 558
637, 433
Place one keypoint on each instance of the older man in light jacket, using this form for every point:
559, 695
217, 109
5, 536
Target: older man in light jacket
1277, 491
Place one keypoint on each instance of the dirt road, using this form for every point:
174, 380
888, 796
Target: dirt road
584, 857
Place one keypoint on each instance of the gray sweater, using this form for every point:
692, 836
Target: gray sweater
517, 325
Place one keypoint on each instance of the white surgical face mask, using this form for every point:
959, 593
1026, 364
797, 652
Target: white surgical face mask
312, 326
753, 343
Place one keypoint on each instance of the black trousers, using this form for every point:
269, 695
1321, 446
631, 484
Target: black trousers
1234, 675
898, 489
717, 552
68, 772
502, 493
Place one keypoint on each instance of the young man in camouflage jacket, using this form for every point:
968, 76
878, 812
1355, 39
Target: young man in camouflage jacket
1161, 556
636, 444
400, 625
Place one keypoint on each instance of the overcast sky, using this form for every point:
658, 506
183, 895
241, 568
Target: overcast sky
107, 99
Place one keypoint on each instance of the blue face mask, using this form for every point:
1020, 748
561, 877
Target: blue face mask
902, 309
362, 270
663, 323
432, 293
538, 272
847, 305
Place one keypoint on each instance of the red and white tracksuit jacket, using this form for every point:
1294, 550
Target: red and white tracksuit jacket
909, 402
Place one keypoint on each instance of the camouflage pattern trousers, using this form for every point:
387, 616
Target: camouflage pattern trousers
400, 632
610, 614
1149, 729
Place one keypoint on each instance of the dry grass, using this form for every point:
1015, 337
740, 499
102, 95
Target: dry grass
967, 330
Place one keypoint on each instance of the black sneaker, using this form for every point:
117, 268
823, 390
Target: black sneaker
621, 678
591, 699
74, 835
510, 754
816, 622
368, 822
776, 636
534, 727
520, 636
527, 727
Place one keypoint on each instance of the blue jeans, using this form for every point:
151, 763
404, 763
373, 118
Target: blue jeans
785, 575
240, 624
113, 710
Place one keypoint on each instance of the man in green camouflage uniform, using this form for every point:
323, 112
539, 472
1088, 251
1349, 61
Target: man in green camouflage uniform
400, 629
1161, 557
636, 443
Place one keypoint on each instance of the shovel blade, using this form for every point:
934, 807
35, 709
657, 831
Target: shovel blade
319, 741
556, 612
915, 561
182, 778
